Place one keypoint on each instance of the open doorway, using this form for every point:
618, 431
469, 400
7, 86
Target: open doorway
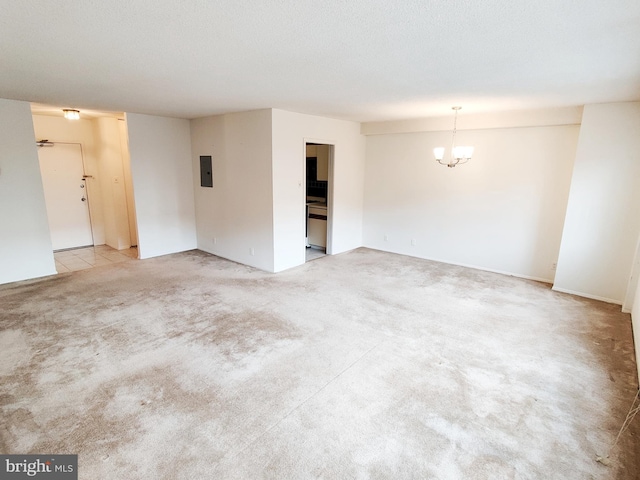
85, 168
318, 168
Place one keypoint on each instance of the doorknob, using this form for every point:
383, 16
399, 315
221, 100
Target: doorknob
83, 199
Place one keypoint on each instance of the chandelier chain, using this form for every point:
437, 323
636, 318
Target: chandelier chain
455, 129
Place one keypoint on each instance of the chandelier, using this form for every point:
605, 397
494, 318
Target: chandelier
71, 114
458, 155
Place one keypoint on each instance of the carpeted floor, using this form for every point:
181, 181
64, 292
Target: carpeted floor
361, 365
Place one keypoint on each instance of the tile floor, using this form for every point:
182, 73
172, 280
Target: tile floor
89, 257
314, 252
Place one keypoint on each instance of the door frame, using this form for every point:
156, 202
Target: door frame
330, 186
52, 144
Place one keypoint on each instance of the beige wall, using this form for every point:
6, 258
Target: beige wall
162, 175
632, 304
255, 212
635, 320
503, 211
603, 215
238, 211
548, 117
128, 182
25, 243
112, 181
290, 133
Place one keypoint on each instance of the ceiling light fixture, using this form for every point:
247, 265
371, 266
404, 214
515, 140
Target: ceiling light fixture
459, 155
71, 114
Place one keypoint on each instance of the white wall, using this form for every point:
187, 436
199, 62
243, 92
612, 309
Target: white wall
635, 322
603, 215
503, 211
237, 211
290, 131
632, 285
25, 243
160, 151
632, 304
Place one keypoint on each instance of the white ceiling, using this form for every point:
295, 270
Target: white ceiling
362, 60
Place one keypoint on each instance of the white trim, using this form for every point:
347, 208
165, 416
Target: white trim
586, 295
632, 284
330, 187
330, 193
219, 255
475, 267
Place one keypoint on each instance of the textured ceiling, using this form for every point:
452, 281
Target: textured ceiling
361, 60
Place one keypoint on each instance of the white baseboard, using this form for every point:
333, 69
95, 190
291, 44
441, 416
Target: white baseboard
475, 267
587, 295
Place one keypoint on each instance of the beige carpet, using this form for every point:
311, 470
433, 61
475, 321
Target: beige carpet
361, 365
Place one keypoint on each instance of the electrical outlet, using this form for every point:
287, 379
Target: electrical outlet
215, 240
386, 238
413, 242
553, 266
252, 251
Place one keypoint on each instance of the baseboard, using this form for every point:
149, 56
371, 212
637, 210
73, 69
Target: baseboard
25, 280
475, 267
234, 260
586, 295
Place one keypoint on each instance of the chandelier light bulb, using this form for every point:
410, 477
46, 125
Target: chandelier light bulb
458, 152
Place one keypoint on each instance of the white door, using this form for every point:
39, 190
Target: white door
65, 194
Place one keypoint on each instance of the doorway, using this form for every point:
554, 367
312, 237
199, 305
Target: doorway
318, 170
101, 139
93, 149
66, 195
